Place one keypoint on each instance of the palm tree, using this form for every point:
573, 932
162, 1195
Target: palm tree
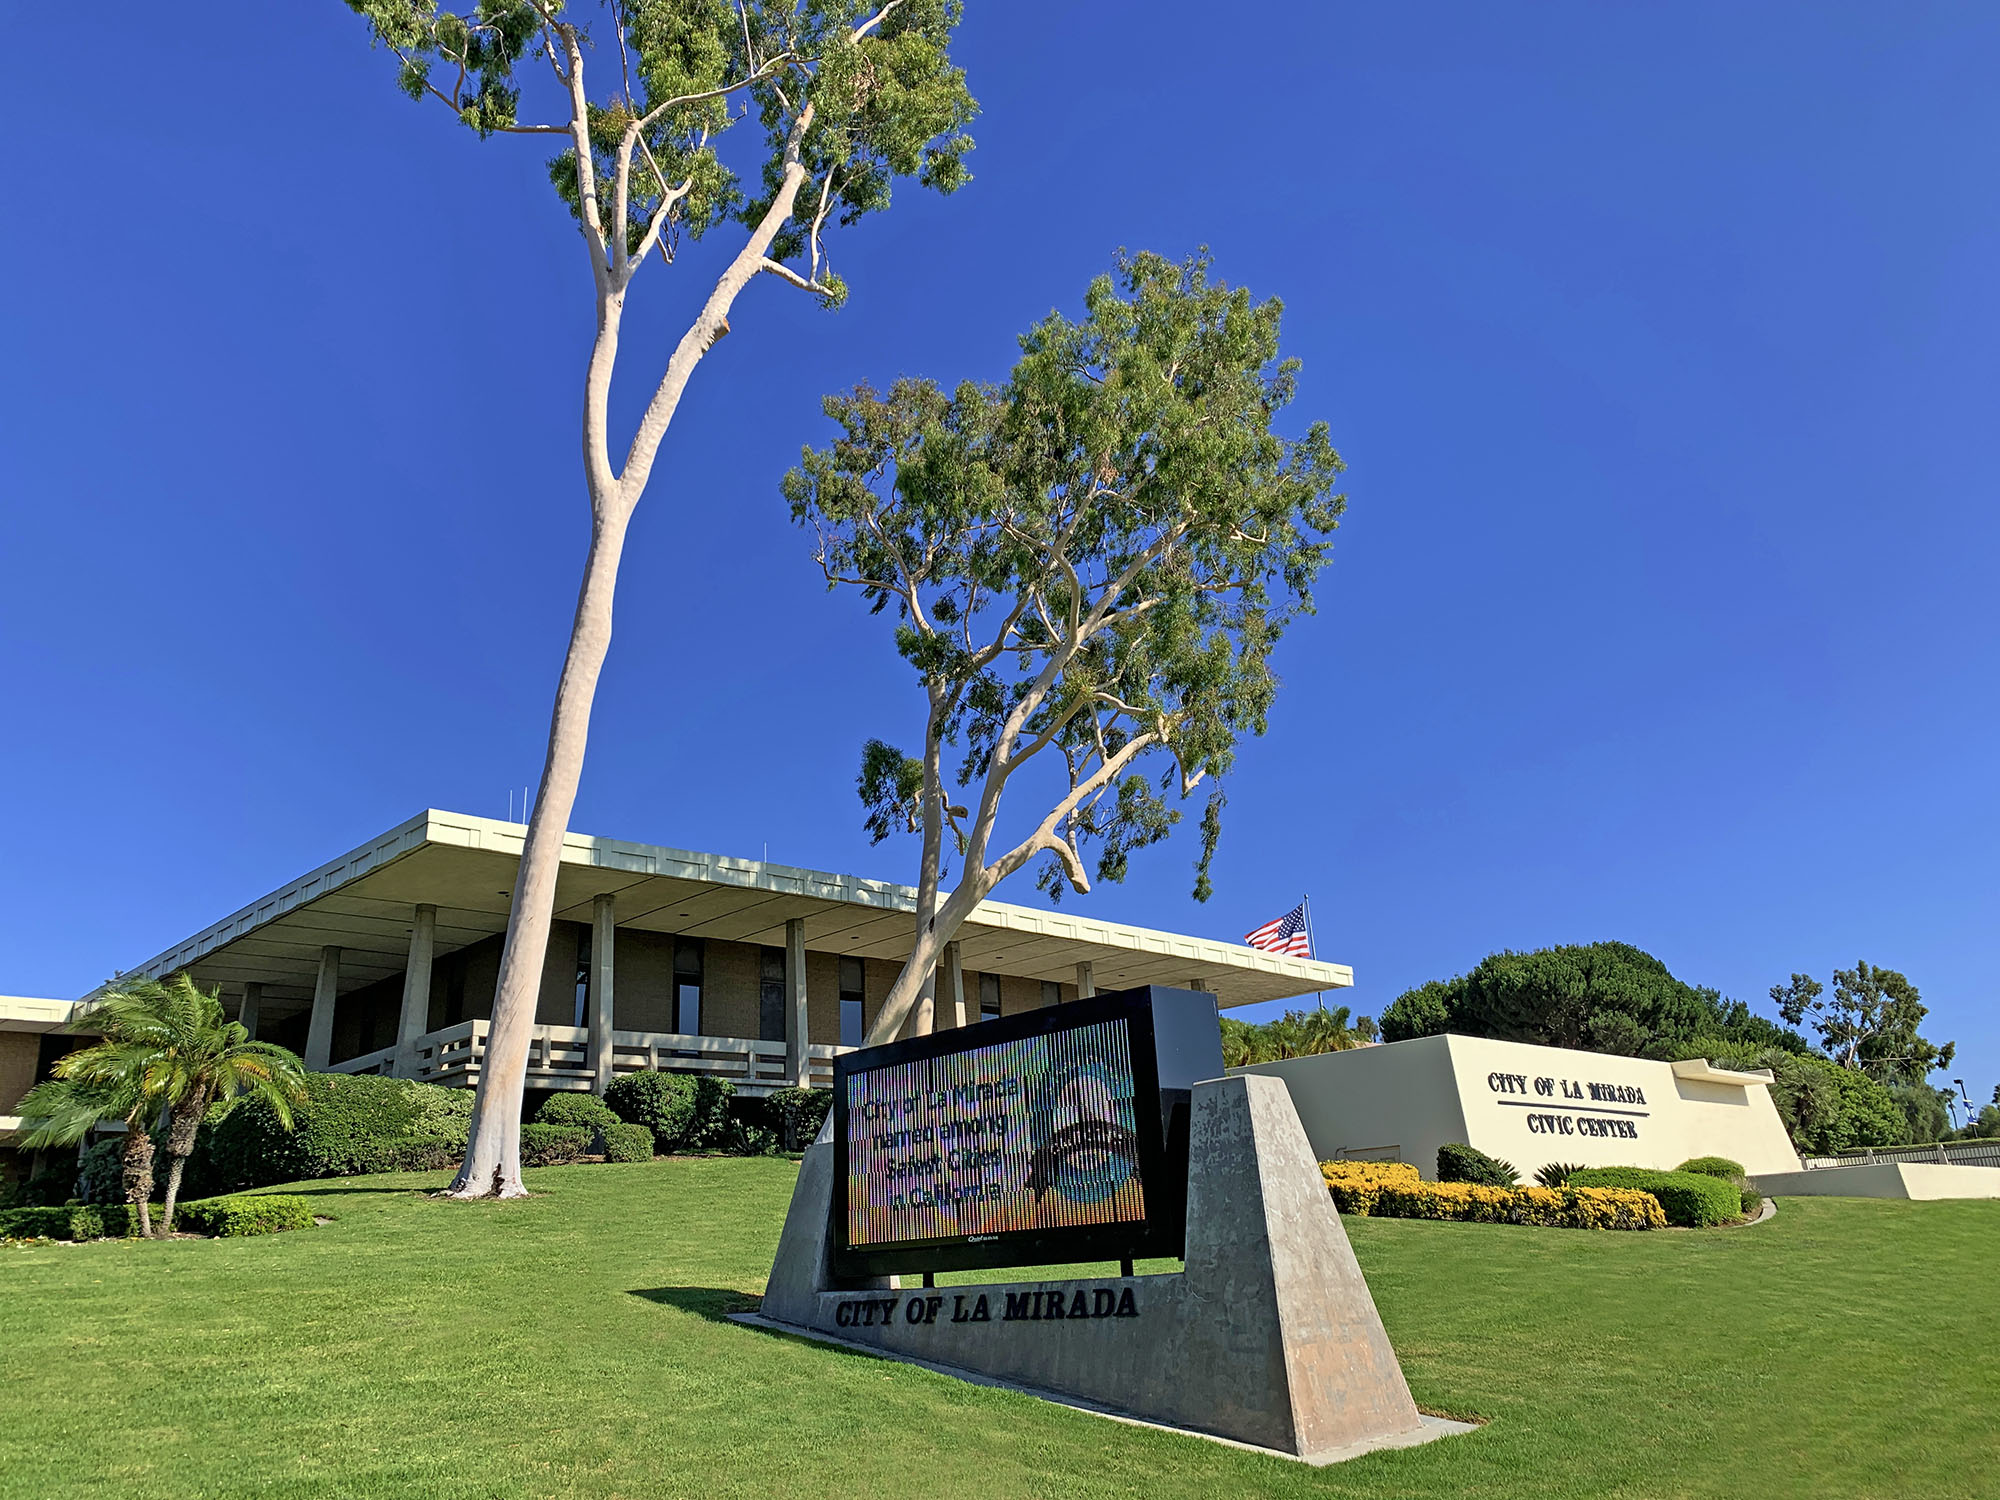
1297, 1033
62, 1110
166, 1048
202, 1059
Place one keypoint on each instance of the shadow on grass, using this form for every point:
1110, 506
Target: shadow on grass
314, 1190
714, 1303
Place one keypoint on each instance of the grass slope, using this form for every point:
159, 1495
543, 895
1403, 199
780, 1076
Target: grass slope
571, 1344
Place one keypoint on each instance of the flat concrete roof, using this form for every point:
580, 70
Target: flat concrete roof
465, 866
30, 1013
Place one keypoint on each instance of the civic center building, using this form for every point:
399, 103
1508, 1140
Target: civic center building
385, 959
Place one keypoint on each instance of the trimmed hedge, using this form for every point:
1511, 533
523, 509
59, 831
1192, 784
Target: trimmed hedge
1462, 1163
237, 1215
1393, 1190
586, 1110
627, 1143
1713, 1166
74, 1221
1689, 1199
551, 1145
346, 1125
68, 1221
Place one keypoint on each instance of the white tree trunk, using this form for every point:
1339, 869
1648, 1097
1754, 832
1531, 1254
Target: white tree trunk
492, 1166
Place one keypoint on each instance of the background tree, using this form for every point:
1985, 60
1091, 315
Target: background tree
1869, 1022
849, 96
1297, 1033
1599, 997
1088, 568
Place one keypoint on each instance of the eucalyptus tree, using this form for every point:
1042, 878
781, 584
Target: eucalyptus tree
850, 95
1869, 1023
1088, 568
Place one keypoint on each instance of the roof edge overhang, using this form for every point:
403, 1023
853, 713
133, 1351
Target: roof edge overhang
435, 827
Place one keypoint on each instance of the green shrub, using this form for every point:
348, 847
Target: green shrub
711, 1128
662, 1102
347, 1124
548, 1145
48, 1189
1751, 1200
67, 1221
412, 1153
244, 1214
1557, 1173
1713, 1166
587, 1110
789, 1117
1690, 1199
100, 1172
627, 1143
1462, 1163
121, 1220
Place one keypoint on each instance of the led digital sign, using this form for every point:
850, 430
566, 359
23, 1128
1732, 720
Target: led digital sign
1059, 1134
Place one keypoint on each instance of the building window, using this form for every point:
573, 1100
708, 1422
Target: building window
687, 986
582, 1007
989, 996
771, 997
853, 998
1051, 992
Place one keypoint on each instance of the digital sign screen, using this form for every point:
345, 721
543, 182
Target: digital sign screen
1032, 1138
1037, 1133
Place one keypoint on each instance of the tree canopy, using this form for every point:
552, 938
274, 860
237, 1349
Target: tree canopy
849, 96
1597, 997
1088, 568
1869, 1022
1094, 559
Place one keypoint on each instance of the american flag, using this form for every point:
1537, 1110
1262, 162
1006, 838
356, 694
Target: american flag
1286, 934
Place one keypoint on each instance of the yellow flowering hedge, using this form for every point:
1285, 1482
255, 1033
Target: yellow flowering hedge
1395, 1190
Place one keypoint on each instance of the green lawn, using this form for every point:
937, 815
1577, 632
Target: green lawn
573, 1344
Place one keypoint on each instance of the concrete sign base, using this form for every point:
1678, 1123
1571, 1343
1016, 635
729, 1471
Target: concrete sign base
1269, 1337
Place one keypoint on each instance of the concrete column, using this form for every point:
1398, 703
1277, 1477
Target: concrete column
954, 993
1086, 980
319, 1030
416, 991
603, 930
246, 1014
797, 1036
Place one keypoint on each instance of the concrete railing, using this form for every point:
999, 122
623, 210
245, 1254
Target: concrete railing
559, 1057
1984, 1153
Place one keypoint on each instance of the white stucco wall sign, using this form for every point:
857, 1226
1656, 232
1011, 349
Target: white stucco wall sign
1531, 1106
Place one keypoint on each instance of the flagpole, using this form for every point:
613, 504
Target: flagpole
1312, 942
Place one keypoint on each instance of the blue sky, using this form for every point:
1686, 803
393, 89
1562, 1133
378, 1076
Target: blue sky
1660, 343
